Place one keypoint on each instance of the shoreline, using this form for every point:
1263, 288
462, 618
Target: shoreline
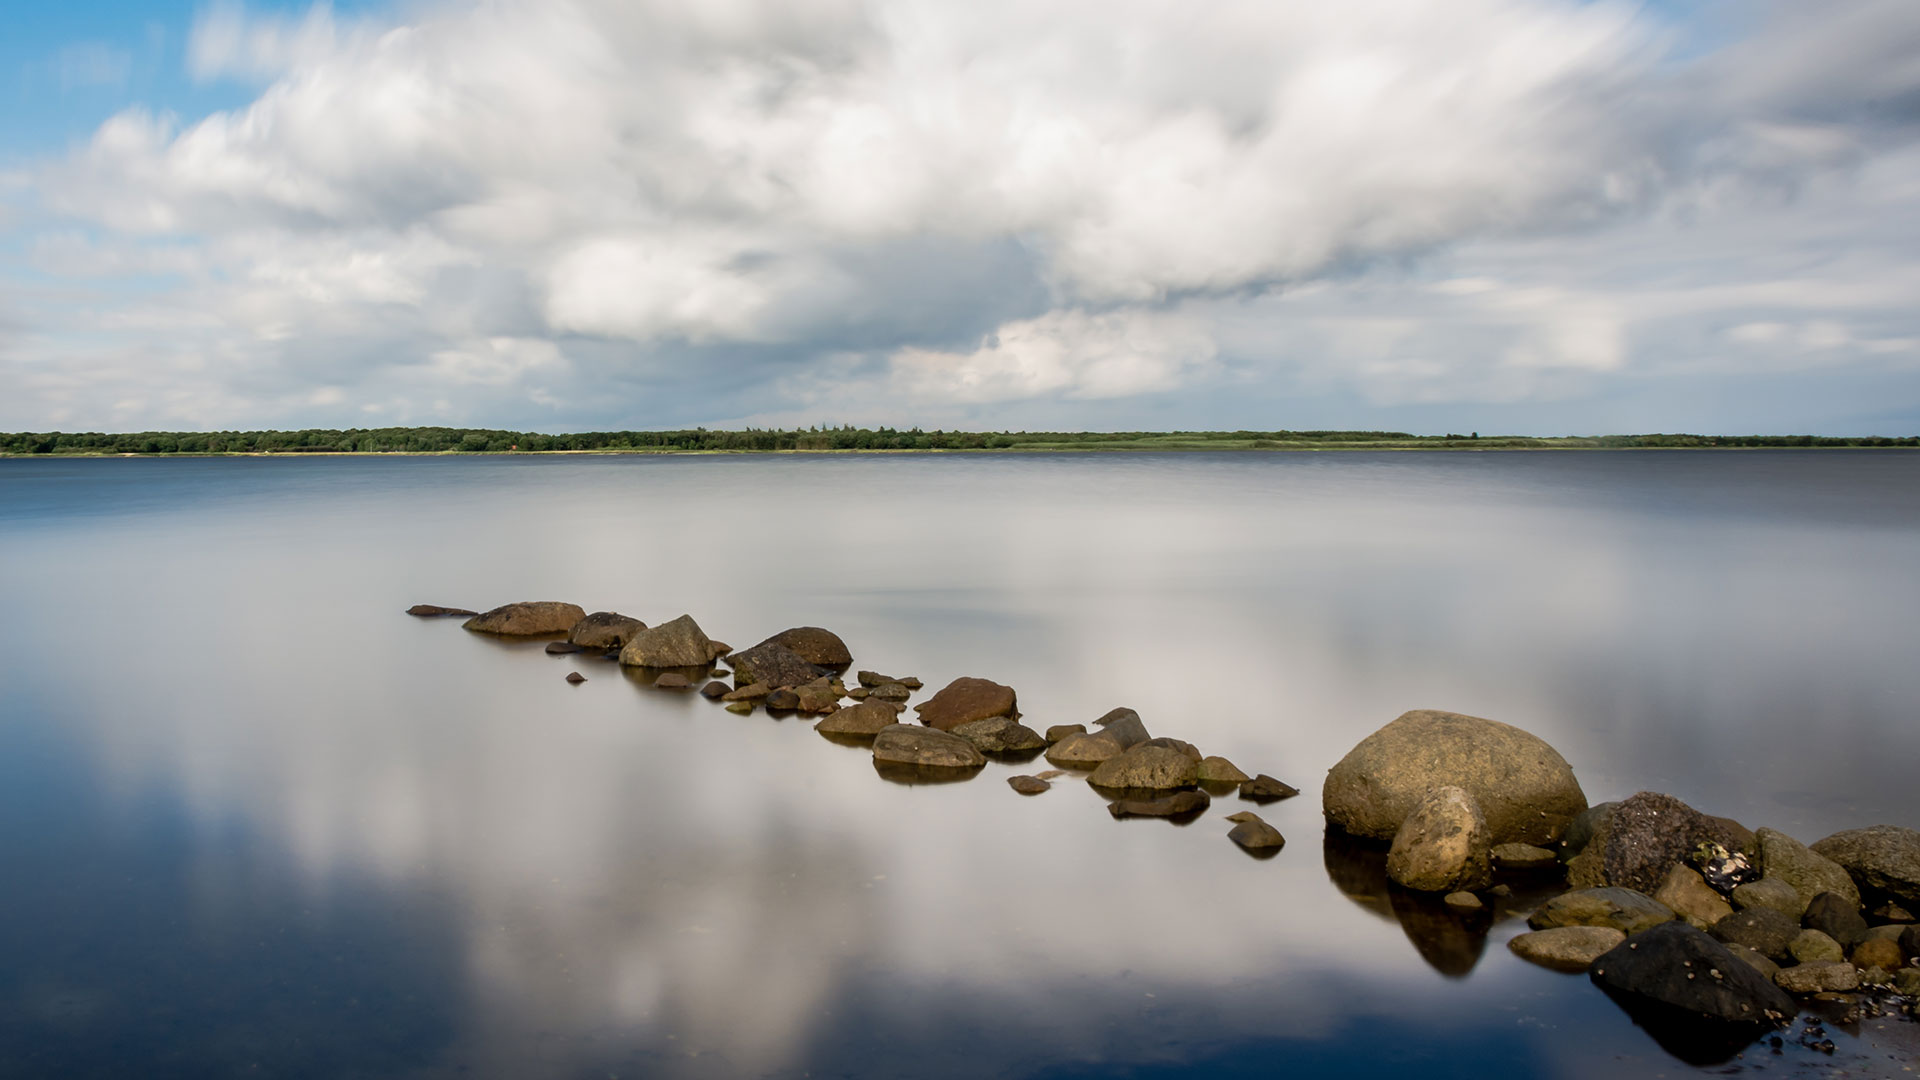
1340, 447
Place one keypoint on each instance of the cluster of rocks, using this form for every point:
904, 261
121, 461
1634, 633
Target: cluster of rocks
961, 727
1685, 918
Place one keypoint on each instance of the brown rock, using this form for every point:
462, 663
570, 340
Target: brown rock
1084, 751
1265, 789
1125, 726
965, 700
776, 665
1442, 845
1051, 774
865, 720
1253, 833
1817, 977
1523, 857
1566, 948
562, 648
1145, 768
906, 744
677, 643
672, 680
1061, 731
783, 699
1878, 952
1028, 785
604, 630
434, 611
1462, 901
892, 691
814, 645
1191, 751
999, 735
576, 678
714, 689
1691, 898
1179, 804
527, 618
818, 696
1218, 770
1641, 840
750, 692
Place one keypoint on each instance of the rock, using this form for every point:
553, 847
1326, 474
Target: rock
1442, 845
1821, 977
1524, 857
1125, 726
1640, 841
1084, 751
873, 678
750, 692
1463, 902
1810, 873
435, 611
892, 691
1253, 833
678, 643
717, 648
530, 617
1061, 731
1812, 946
740, 708
817, 697
1691, 898
1028, 785
1265, 789
908, 744
1881, 933
910, 683
1623, 909
1907, 981
1680, 970
1836, 917
1876, 952
1051, 774
774, 664
1145, 768
719, 673
1892, 912
562, 648
1770, 893
1566, 948
1752, 959
1581, 830
1882, 859
672, 680
714, 689
999, 735
1218, 770
865, 720
1187, 748
1723, 870
1179, 804
1910, 941
1763, 930
783, 699
965, 700
604, 630
576, 678
859, 693
812, 644
1524, 788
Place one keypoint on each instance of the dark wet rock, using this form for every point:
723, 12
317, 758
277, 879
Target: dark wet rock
1623, 909
1691, 898
435, 611
924, 747
1252, 832
1837, 917
1910, 941
1524, 788
1566, 948
1146, 767
1524, 857
774, 664
1883, 860
740, 708
1028, 785
749, 692
1125, 726
1640, 841
1180, 804
714, 689
1812, 946
1061, 731
814, 645
1218, 770
999, 735
604, 630
562, 648
785, 700
1191, 751
892, 691
1462, 901
1442, 845
1876, 952
1265, 789
528, 618
1809, 872
817, 697
672, 680
1084, 751
1583, 827
676, 643
1829, 976
1679, 969
1752, 959
865, 720
1763, 930
1769, 893
965, 700
576, 678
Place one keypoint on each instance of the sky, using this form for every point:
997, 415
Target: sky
1505, 216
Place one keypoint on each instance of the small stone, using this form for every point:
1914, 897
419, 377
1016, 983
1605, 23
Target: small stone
925, 747
1244, 815
1833, 915
1523, 857
1831, 976
1462, 901
714, 689
965, 700
817, 697
719, 673
604, 630
1146, 768
783, 699
1813, 946
892, 691
672, 680
435, 611
562, 648
576, 678
1254, 834
859, 693
1265, 789
749, 692
1875, 976
1051, 774
1061, 731
1691, 898
1893, 913
1083, 751
1028, 785
1179, 804
1566, 948
1191, 751
910, 683
999, 735
1772, 893
864, 720
873, 678
1877, 952
740, 708
1218, 770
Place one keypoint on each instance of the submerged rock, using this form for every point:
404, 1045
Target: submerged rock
1462, 902
774, 664
1442, 845
1145, 768
965, 700
1178, 805
740, 708
908, 744
527, 618
677, 643
562, 648
1810, 873
1681, 970
435, 611
604, 630
1524, 788
1623, 909
1883, 859
814, 645
1265, 789
1566, 948
1028, 785
672, 680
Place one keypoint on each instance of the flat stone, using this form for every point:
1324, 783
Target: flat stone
1763, 930
562, 648
576, 678
1623, 909
999, 735
1028, 785
1254, 834
1442, 845
1051, 774
1823, 976
604, 630
1683, 971
740, 708
1880, 858
867, 719
1085, 751
1523, 857
1769, 893
1462, 901
678, 642
672, 680
965, 700
435, 611
749, 692
1565, 948
892, 691
527, 618
1061, 731
1145, 768
1265, 789
1691, 898
909, 744
873, 678
1179, 804
1810, 873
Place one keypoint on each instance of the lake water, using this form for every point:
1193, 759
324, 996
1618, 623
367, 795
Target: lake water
257, 822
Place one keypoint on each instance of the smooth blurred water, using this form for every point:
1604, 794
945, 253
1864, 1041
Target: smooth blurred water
255, 821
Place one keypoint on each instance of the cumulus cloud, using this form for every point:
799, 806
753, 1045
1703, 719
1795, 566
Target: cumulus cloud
978, 203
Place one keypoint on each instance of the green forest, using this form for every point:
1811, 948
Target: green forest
443, 440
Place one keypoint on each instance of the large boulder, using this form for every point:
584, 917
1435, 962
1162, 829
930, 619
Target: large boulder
775, 665
604, 630
677, 643
1623, 909
1085, 750
862, 721
1566, 948
1810, 873
1678, 969
926, 748
965, 700
527, 618
1524, 788
1442, 846
1641, 841
1881, 859
812, 644
1146, 768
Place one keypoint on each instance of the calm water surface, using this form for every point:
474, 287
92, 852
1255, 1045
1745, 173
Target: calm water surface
254, 821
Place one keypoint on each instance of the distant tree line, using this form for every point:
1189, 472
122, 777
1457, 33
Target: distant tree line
431, 440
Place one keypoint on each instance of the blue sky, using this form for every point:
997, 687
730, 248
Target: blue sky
1505, 215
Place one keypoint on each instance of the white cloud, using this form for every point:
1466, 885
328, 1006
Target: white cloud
1068, 352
